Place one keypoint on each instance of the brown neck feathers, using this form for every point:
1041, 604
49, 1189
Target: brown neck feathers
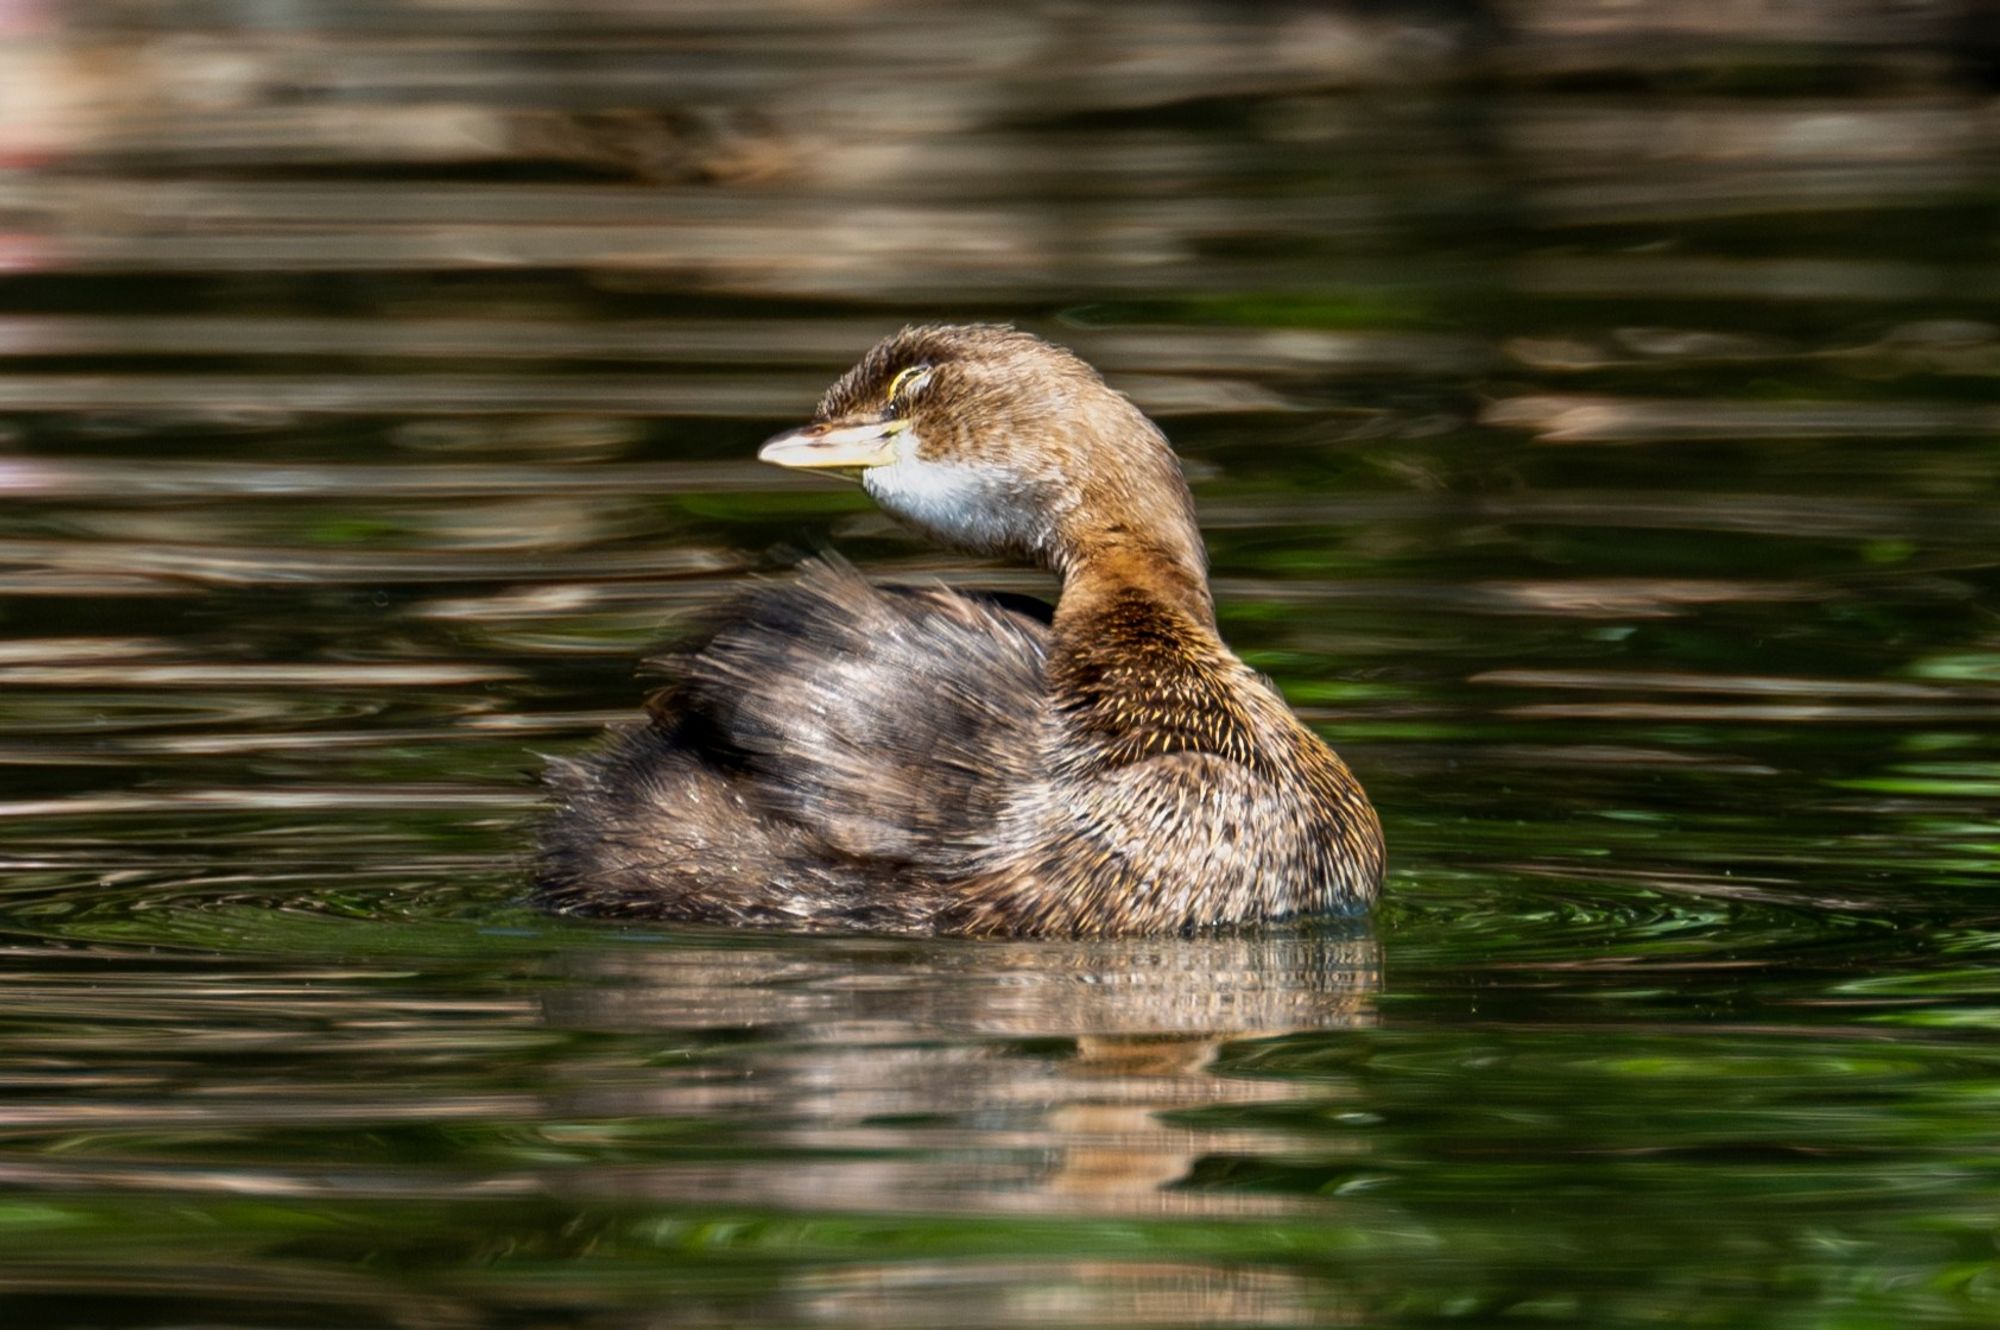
1136, 666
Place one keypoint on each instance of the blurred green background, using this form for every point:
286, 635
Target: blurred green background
1592, 412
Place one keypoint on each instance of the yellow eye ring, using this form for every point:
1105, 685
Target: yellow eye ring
908, 381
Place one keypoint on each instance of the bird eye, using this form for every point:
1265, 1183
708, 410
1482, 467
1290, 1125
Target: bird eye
907, 381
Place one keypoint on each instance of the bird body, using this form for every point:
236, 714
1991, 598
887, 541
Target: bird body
832, 754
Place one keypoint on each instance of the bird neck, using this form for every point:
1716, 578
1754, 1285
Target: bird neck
1136, 668
1115, 572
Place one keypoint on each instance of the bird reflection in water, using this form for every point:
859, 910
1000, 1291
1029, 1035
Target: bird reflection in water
1024, 1077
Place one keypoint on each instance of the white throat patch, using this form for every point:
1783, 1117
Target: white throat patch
968, 505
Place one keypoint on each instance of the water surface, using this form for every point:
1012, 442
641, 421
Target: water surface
1594, 431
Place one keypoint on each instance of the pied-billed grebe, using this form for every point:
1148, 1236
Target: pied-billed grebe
832, 754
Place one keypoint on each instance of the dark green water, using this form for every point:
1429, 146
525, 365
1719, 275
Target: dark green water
1594, 429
